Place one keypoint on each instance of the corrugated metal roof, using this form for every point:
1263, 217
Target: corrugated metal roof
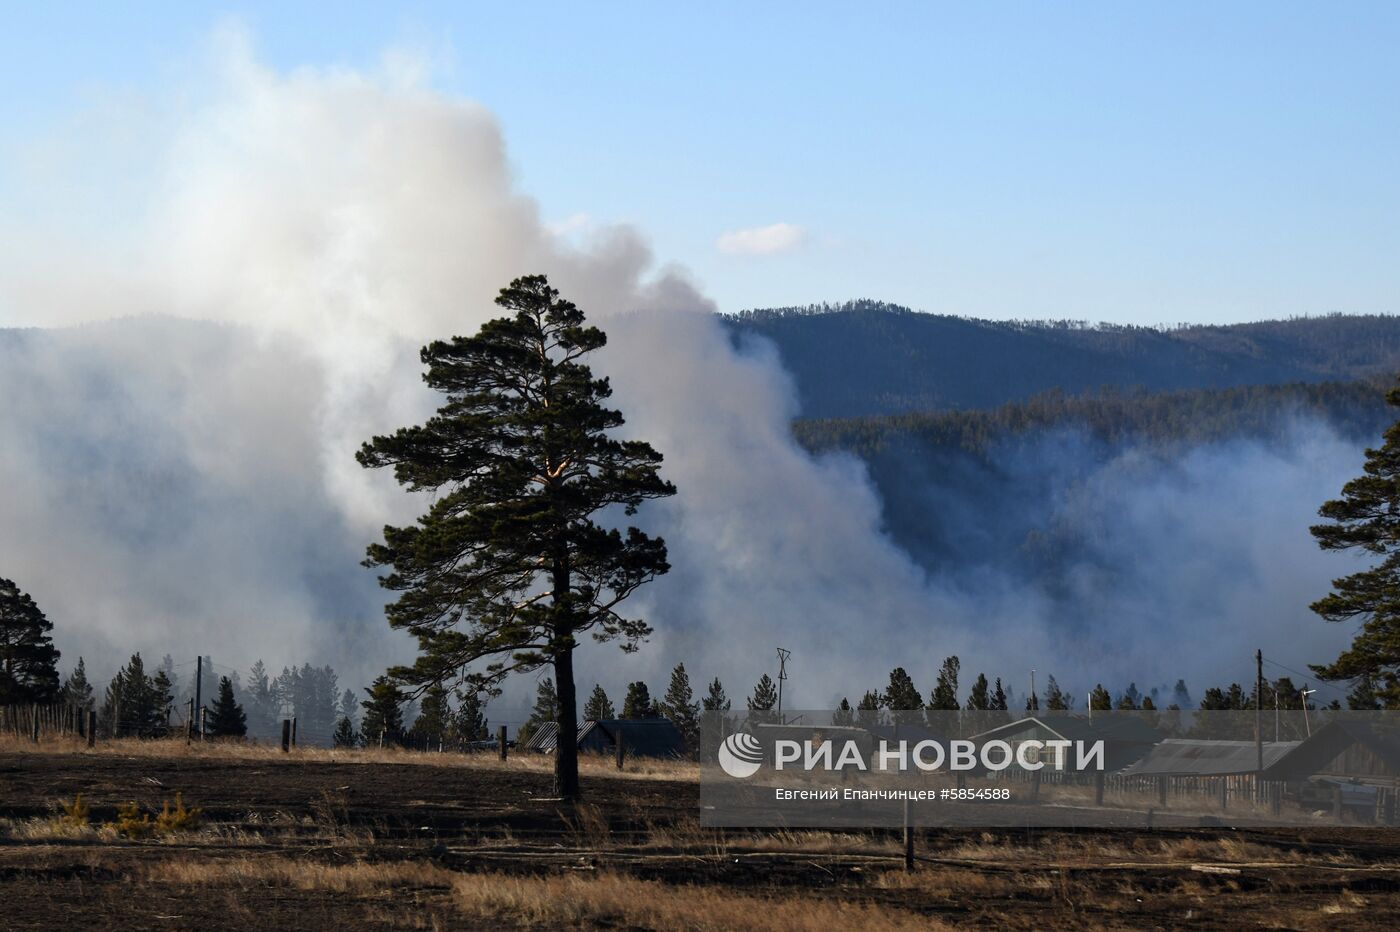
642, 737
1331, 740
1206, 758
1125, 728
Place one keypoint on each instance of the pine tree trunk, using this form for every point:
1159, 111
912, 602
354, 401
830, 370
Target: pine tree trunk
566, 751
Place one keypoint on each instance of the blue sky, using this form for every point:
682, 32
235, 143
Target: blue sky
1184, 162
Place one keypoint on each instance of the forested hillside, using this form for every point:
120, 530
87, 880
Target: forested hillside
1116, 418
867, 358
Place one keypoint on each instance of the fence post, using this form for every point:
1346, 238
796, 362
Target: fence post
92, 728
621, 751
501, 741
189, 721
203, 723
294, 731
1224, 794
34, 716
908, 838
286, 735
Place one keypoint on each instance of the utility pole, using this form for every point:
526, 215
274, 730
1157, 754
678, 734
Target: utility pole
1259, 723
1305, 694
783, 656
1035, 703
198, 691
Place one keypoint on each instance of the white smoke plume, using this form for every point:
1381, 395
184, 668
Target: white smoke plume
240, 279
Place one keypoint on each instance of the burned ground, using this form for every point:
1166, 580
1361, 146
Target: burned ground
320, 841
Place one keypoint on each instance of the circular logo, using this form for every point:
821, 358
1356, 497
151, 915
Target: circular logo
740, 755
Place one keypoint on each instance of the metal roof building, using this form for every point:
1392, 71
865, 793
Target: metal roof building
646, 737
1192, 757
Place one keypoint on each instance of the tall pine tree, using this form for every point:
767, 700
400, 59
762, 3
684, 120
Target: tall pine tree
508, 566
28, 659
1366, 519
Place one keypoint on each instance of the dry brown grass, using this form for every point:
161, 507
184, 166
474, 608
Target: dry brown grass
548, 902
611, 899
589, 764
358, 878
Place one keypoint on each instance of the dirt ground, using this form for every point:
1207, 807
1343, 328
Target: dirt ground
310, 843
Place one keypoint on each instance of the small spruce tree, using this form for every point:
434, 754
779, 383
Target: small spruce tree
546, 709
715, 700
944, 697
637, 703
680, 707
763, 700
77, 691
383, 712
599, 707
469, 723
345, 735
226, 718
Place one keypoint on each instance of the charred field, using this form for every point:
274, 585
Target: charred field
363, 839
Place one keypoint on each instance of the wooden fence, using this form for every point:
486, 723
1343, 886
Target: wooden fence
37, 722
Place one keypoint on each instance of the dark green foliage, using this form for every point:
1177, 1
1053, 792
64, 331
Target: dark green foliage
136, 704
868, 709
999, 698
226, 718
844, 714
715, 700
598, 707
680, 707
383, 712
1362, 697
1055, 698
546, 708
348, 707
28, 659
311, 695
434, 715
903, 698
77, 690
1181, 696
1100, 700
763, 700
261, 704
978, 698
637, 703
1131, 699
1366, 519
867, 357
470, 723
508, 566
1231, 699
944, 697
345, 734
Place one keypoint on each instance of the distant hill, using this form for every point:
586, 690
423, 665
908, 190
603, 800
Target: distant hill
1115, 419
870, 358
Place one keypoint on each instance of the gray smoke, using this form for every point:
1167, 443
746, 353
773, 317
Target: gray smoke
178, 457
